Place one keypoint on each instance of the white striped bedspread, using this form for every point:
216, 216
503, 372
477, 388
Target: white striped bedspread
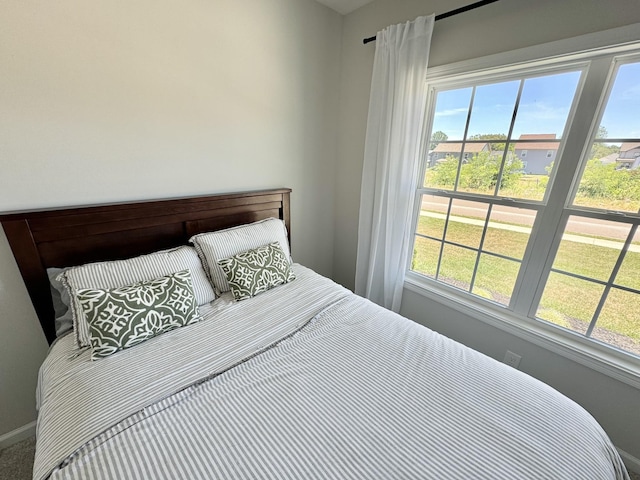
351, 391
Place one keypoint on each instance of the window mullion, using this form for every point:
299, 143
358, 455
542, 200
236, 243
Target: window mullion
480, 247
444, 235
464, 137
549, 225
508, 142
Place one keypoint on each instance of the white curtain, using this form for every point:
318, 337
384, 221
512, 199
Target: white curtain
392, 147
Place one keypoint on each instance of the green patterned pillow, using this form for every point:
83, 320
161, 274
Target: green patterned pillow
255, 271
122, 317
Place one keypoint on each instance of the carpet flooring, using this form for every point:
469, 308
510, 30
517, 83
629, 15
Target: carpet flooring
16, 461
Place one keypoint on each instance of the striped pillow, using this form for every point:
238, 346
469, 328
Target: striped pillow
105, 275
216, 246
61, 302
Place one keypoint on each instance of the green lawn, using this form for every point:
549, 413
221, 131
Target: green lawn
566, 300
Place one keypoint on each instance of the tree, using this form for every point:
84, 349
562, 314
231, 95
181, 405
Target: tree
436, 138
494, 147
480, 173
602, 132
601, 180
445, 171
601, 150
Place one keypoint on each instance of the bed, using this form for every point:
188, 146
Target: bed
303, 380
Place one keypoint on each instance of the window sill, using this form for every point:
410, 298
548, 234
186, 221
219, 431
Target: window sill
603, 359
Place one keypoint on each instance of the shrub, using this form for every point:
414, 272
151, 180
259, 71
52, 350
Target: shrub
479, 173
601, 180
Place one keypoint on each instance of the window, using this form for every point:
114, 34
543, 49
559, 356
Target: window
556, 238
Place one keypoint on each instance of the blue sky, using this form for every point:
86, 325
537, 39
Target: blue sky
622, 114
544, 106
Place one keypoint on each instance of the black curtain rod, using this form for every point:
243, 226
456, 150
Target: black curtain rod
466, 8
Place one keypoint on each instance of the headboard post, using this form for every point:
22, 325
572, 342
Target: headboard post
285, 213
40, 239
34, 274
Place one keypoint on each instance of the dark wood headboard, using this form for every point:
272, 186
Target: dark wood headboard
75, 236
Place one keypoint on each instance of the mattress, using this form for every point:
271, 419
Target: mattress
307, 381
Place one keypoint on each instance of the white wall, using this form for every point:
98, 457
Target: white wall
502, 26
111, 101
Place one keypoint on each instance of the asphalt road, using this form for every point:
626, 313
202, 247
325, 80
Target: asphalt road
520, 216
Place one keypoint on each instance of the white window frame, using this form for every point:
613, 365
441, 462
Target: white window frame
594, 53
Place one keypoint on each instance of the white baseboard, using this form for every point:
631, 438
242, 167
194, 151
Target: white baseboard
632, 463
19, 434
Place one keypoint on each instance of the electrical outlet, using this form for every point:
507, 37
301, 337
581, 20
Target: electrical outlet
512, 359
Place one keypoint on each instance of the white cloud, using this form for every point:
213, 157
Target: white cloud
632, 93
541, 111
451, 112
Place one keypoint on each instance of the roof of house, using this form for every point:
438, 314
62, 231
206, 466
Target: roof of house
611, 158
625, 147
537, 145
457, 147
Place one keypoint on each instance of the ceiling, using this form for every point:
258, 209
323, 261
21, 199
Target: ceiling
344, 6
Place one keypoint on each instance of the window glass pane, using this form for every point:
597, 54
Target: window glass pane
466, 222
629, 273
545, 104
442, 168
516, 183
538, 150
480, 168
527, 173
450, 116
590, 247
508, 231
569, 302
433, 213
492, 110
611, 176
495, 278
425, 256
620, 118
456, 266
618, 323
